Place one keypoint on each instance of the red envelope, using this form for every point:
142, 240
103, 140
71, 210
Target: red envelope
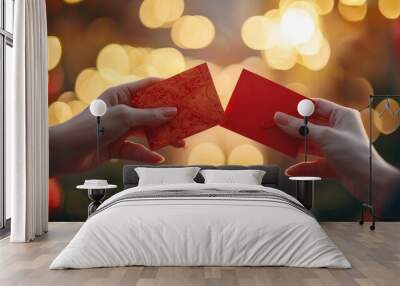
193, 93
251, 109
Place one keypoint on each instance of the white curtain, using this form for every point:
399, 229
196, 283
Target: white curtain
26, 124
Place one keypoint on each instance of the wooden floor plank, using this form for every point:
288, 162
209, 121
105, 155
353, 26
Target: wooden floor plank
375, 257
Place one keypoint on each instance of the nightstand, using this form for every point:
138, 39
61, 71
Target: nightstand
96, 192
305, 190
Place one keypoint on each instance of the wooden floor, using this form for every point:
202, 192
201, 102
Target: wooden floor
375, 257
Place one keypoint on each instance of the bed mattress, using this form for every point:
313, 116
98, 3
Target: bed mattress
201, 225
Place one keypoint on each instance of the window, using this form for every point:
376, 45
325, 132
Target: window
6, 60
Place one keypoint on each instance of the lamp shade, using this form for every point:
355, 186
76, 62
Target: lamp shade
98, 107
305, 107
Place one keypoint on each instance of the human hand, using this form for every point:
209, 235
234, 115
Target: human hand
344, 147
73, 143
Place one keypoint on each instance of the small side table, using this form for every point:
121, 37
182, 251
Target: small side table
305, 190
96, 194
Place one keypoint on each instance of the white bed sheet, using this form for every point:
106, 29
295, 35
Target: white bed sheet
200, 231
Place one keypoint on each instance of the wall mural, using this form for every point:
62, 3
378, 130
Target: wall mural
342, 51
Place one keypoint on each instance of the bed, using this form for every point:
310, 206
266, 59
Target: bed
198, 224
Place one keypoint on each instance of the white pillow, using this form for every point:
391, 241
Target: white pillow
248, 177
163, 176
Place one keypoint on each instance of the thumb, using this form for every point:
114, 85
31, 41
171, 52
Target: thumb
318, 168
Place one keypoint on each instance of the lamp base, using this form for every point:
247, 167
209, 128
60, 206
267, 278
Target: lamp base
303, 130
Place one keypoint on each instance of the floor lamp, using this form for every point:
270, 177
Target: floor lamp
370, 205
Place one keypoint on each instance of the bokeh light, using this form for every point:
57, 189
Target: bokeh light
299, 88
193, 32
67, 96
59, 112
54, 52
55, 195
256, 65
206, 154
89, 85
160, 13
353, 2
167, 61
281, 57
72, 1
255, 32
113, 62
226, 80
137, 57
389, 8
245, 155
77, 106
353, 13
376, 123
320, 60
324, 7
387, 110
297, 25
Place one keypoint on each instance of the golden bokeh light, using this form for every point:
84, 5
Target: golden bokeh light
353, 13
256, 65
313, 45
146, 70
376, 123
168, 10
298, 24
77, 106
299, 88
387, 110
245, 155
193, 32
160, 13
274, 35
67, 96
389, 8
54, 52
226, 80
58, 113
72, 1
112, 62
318, 61
353, 2
256, 32
137, 57
89, 85
167, 61
147, 16
324, 7
206, 154
280, 57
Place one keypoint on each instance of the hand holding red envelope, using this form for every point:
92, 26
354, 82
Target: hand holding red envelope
193, 93
251, 109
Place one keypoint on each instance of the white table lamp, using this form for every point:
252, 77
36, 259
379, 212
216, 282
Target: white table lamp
98, 108
305, 108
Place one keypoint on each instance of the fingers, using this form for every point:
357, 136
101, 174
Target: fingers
319, 168
291, 125
325, 107
122, 94
135, 152
148, 116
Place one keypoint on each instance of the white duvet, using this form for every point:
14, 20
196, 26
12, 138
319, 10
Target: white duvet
200, 231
